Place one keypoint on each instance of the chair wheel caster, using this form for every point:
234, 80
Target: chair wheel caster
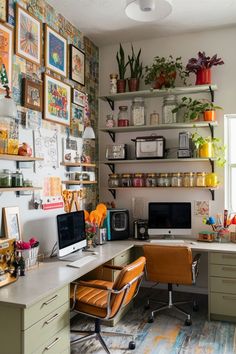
187, 322
150, 319
132, 345
195, 307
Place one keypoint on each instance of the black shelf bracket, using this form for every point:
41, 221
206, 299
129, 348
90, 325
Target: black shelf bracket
111, 103
212, 194
212, 94
113, 192
112, 135
111, 166
212, 165
211, 130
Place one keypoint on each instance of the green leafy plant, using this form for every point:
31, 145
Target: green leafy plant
136, 67
194, 108
120, 57
166, 68
218, 147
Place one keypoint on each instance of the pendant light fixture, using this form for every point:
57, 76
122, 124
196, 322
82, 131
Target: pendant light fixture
148, 10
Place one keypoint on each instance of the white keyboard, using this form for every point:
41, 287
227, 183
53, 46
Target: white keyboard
174, 242
81, 262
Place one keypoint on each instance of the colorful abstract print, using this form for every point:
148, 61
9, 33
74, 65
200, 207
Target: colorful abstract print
29, 36
57, 101
56, 52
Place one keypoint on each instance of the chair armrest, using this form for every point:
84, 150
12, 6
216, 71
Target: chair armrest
195, 266
92, 285
112, 267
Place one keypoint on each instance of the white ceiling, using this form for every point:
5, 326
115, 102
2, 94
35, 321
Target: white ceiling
105, 22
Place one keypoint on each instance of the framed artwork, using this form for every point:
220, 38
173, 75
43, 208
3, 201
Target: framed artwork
28, 36
6, 51
3, 10
55, 51
77, 65
32, 95
78, 97
11, 219
77, 121
57, 101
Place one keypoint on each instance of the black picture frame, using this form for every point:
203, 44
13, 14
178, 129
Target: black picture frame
77, 65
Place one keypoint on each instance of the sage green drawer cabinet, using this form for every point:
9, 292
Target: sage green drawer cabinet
36, 329
222, 286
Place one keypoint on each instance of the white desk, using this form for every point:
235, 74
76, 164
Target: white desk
43, 296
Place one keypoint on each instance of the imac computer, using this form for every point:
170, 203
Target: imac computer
71, 235
169, 219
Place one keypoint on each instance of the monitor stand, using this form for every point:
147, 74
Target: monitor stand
168, 237
72, 256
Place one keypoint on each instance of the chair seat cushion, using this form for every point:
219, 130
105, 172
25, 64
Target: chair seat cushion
90, 300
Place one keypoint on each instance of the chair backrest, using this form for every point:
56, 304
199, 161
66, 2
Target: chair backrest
130, 276
168, 264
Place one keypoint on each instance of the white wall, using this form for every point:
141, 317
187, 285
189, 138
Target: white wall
219, 41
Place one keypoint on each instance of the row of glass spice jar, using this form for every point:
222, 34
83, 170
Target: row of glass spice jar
13, 179
177, 179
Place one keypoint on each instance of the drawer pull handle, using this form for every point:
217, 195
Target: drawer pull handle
50, 300
52, 344
52, 318
231, 281
229, 297
229, 268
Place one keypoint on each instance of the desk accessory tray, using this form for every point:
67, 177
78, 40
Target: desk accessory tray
207, 236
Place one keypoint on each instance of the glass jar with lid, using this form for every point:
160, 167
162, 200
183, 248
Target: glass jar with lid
138, 111
176, 179
110, 122
17, 179
169, 103
126, 180
151, 180
138, 180
211, 180
201, 179
188, 179
113, 180
123, 118
5, 179
163, 180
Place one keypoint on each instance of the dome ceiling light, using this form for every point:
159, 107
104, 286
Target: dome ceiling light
148, 10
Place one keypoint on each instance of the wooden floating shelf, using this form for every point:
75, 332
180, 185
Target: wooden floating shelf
77, 164
19, 158
204, 188
73, 182
18, 189
108, 162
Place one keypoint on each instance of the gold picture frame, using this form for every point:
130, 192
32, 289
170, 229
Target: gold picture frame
3, 10
11, 221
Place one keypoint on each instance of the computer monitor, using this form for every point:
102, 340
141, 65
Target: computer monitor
71, 233
169, 219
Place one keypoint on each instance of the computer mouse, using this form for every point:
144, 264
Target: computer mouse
95, 253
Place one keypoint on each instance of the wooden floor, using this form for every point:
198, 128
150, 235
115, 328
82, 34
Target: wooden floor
167, 335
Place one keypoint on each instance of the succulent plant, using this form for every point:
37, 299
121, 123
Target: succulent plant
136, 67
120, 57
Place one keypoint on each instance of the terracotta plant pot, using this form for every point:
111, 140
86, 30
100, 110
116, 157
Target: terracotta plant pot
209, 116
206, 150
133, 84
121, 85
203, 77
165, 79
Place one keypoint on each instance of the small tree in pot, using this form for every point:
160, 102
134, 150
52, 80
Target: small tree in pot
121, 82
136, 70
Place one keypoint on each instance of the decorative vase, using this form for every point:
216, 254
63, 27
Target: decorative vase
206, 150
133, 84
203, 76
121, 85
209, 116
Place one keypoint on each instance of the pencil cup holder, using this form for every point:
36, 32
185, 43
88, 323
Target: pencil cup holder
224, 235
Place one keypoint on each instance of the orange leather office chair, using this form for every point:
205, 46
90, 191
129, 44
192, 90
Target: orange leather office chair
171, 265
103, 300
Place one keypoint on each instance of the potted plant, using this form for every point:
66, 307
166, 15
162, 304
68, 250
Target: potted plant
136, 70
163, 71
121, 82
208, 147
196, 109
201, 66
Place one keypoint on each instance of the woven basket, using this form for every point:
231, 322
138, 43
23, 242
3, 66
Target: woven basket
30, 256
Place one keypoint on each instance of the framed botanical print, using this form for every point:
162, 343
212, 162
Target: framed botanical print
6, 52
11, 219
55, 51
28, 36
57, 101
3, 10
32, 95
78, 97
77, 65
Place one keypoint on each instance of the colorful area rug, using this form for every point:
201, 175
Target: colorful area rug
166, 335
